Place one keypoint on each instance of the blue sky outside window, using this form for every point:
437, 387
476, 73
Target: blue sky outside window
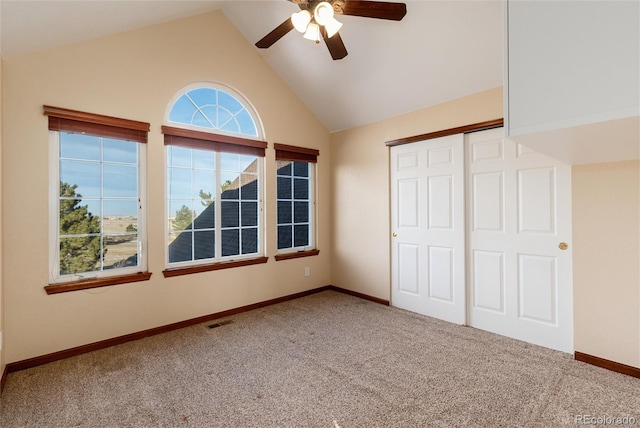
213, 109
101, 168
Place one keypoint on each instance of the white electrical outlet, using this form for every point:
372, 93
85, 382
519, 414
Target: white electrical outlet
307, 271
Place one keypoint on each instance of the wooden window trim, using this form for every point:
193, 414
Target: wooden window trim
294, 153
213, 266
210, 141
62, 119
296, 255
475, 127
86, 284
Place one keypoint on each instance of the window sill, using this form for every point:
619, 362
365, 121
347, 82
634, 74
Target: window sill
86, 284
287, 256
214, 266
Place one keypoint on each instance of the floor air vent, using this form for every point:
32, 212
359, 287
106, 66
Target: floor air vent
221, 323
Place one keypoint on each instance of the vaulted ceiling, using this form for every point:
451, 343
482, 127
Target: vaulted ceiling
440, 51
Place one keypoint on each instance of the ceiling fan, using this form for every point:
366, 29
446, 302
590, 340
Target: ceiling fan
316, 19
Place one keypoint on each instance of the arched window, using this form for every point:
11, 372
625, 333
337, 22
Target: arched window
215, 170
215, 109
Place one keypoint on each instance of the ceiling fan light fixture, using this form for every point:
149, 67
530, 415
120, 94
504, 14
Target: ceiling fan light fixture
315, 19
332, 27
313, 32
301, 20
323, 13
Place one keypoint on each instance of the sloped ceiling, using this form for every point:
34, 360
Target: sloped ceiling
440, 51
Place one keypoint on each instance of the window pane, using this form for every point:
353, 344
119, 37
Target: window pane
206, 219
229, 192
120, 216
284, 188
84, 175
79, 216
300, 188
178, 156
198, 119
119, 151
300, 212
248, 177
230, 126
180, 215
248, 164
229, 103
204, 244
124, 208
301, 169
229, 162
300, 235
200, 206
179, 183
120, 251
79, 146
249, 241
230, 214
203, 96
247, 126
284, 212
81, 254
229, 186
230, 242
205, 159
180, 247
249, 214
210, 113
204, 186
283, 167
249, 189
284, 237
226, 121
120, 181
182, 110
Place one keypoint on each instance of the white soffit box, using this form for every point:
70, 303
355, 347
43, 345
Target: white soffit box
609, 141
572, 63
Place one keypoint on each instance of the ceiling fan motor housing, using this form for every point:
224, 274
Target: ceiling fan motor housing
338, 5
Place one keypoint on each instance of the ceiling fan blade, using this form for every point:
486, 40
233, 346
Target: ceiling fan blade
335, 45
275, 35
375, 9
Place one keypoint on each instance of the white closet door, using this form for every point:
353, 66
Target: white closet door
519, 220
427, 224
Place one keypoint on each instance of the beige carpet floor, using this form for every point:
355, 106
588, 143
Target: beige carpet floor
326, 360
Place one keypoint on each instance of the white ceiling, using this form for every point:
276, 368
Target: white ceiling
440, 51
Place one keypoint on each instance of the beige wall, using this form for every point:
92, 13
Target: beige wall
2, 359
134, 75
606, 260
360, 187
